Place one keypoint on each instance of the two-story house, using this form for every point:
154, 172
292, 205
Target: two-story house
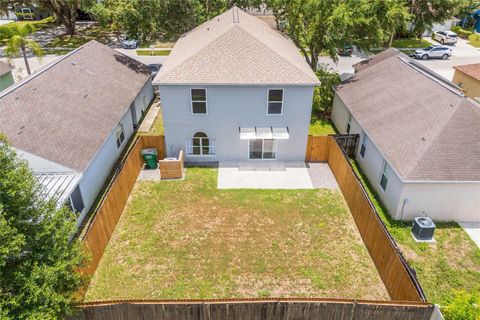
234, 89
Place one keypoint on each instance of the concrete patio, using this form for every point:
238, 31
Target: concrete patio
275, 175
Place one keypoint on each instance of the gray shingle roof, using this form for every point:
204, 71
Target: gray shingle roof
425, 128
65, 112
228, 50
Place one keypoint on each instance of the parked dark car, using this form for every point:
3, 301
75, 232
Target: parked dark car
346, 50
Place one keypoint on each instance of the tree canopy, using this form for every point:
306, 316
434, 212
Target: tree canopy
37, 260
428, 12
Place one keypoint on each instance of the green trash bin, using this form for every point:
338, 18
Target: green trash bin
150, 157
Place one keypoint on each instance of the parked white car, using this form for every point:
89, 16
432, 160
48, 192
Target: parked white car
445, 37
441, 52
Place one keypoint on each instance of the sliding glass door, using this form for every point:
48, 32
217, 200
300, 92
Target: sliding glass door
262, 149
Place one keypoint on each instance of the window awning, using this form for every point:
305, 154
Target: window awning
277, 133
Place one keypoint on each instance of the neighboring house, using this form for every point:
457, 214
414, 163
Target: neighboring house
467, 77
419, 144
444, 26
6, 78
264, 14
72, 120
234, 89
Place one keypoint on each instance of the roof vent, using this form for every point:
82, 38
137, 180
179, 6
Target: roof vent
236, 18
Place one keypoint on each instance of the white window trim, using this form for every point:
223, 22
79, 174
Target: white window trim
283, 100
364, 143
122, 127
384, 165
211, 145
275, 145
206, 102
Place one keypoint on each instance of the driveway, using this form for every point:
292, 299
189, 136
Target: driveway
463, 53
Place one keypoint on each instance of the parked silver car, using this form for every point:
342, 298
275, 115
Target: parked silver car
441, 52
445, 37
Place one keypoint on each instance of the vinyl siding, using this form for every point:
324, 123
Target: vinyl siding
231, 107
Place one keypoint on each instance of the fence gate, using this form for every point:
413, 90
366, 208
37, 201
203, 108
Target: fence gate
348, 142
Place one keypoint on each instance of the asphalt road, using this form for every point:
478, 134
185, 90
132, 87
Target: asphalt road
463, 53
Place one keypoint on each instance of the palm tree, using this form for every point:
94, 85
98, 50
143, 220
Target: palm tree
19, 42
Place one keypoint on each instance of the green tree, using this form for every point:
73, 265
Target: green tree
37, 260
428, 12
323, 94
18, 43
65, 11
322, 26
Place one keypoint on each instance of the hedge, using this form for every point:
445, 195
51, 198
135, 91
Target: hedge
474, 40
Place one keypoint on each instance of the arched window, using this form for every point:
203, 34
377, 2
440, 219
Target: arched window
201, 144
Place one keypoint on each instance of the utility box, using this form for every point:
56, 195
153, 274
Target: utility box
150, 157
423, 228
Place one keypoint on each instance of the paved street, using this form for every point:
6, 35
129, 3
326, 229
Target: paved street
463, 53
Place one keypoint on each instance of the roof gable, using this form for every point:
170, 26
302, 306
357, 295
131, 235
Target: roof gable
415, 119
222, 51
65, 112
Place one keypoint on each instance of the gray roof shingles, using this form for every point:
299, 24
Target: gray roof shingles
65, 112
244, 51
424, 129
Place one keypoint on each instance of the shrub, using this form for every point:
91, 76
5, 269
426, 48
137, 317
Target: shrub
463, 306
456, 29
324, 94
474, 40
462, 33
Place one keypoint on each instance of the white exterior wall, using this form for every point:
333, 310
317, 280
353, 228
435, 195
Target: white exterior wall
231, 107
143, 99
102, 164
372, 163
440, 201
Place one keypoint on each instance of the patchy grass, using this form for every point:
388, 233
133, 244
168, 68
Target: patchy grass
188, 239
148, 52
411, 43
452, 263
321, 127
158, 44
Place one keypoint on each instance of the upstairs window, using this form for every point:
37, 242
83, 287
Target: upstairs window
199, 101
119, 134
363, 148
275, 102
385, 175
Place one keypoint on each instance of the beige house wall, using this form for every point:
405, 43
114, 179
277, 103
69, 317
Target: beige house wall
470, 86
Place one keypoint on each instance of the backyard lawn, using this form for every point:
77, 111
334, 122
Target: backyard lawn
188, 239
452, 263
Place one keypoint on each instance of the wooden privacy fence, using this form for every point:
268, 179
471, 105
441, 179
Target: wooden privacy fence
254, 309
395, 272
108, 212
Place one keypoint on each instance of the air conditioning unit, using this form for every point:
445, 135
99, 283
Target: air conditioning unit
423, 228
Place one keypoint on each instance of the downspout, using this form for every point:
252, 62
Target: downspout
405, 201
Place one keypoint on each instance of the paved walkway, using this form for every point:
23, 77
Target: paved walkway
263, 175
473, 230
149, 118
321, 175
